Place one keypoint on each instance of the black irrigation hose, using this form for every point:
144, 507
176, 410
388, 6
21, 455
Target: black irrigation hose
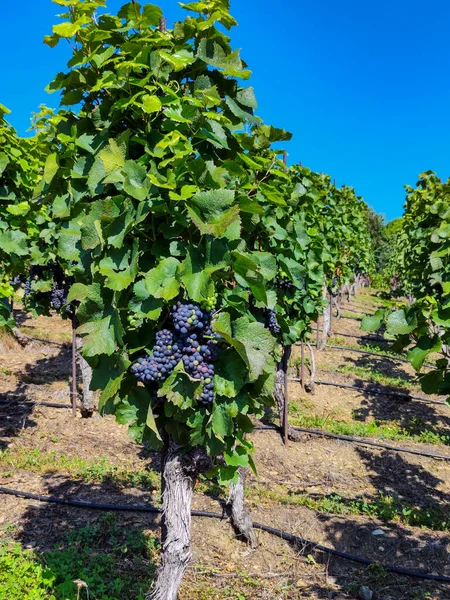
378, 354
35, 403
355, 440
289, 537
372, 391
358, 351
352, 310
61, 345
357, 337
355, 307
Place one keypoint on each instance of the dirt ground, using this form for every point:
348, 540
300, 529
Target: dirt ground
224, 567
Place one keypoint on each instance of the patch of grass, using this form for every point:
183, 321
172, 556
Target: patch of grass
22, 576
392, 430
376, 348
378, 300
107, 561
45, 333
352, 316
382, 506
90, 471
296, 363
374, 375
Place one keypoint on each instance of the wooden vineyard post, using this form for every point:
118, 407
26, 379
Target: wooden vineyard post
163, 25
317, 332
331, 313
74, 368
286, 356
302, 366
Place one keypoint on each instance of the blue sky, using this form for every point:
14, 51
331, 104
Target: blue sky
364, 87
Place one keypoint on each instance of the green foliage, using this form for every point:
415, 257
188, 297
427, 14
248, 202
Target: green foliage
95, 470
156, 201
339, 221
416, 431
96, 556
22, 577
156, 182
382, 506
380, 241
21, 164
423, 265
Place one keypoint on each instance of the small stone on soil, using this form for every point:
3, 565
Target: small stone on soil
378, 532
365, 593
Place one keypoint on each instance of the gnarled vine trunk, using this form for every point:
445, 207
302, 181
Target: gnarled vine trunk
87, 403
240, 516
337, 304
179, 474
279, 394
24, 340
279, 390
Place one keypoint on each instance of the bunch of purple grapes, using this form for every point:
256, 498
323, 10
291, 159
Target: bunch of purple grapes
187, 317
197, 359
36, 272
283, 284
272, 323
17, 281
158, 365
58, 295
60, 287
193, 342
27, 288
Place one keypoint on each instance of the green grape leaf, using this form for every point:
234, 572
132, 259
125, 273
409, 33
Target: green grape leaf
162, 281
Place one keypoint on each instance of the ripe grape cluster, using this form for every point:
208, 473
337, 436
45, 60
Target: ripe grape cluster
36, 272
272, 323
283, 284
16, 282
60, 287
187, 317
192, 341
334, 286
58, 295
161, 362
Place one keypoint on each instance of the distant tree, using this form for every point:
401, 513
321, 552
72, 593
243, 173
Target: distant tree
378, 233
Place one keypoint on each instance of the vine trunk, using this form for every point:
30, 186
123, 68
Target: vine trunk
179, 474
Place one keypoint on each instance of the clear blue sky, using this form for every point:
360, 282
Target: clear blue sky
364, 87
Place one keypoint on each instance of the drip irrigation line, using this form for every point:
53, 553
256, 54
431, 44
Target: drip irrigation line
398, 358
362, 311
352, 310
35, 403
355, 440
358, 337
36, 339
61, 345
350, 318
284, 535
378, 392
358, 351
